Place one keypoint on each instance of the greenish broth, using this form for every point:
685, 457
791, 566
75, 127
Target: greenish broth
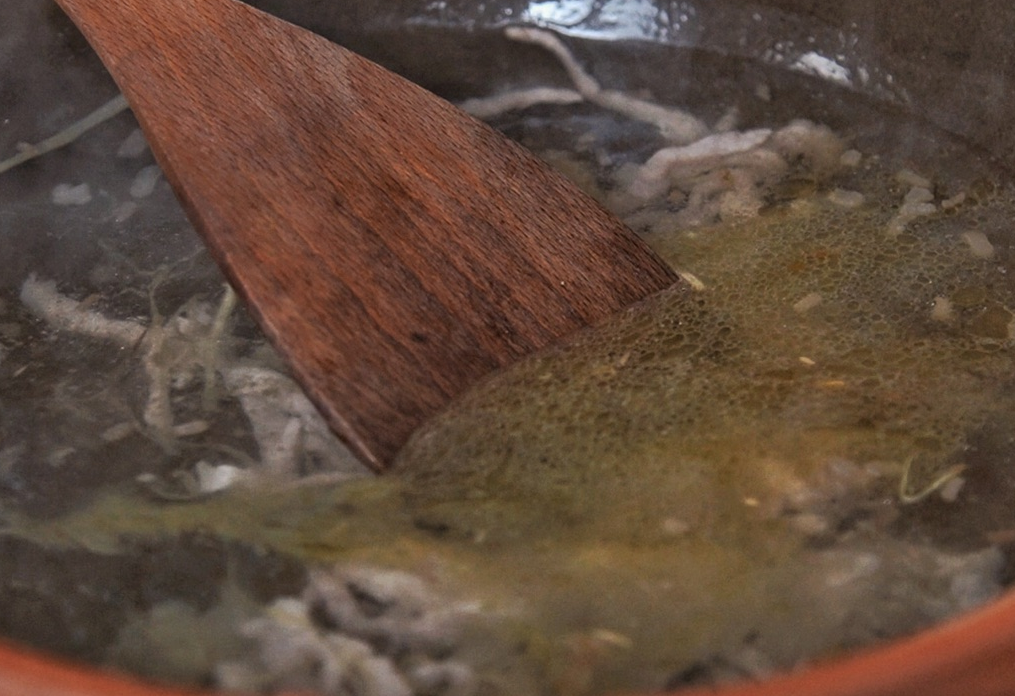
717, 410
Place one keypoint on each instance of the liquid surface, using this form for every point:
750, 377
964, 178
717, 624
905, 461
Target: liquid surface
804, 448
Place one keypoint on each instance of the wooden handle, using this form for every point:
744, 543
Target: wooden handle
392, 247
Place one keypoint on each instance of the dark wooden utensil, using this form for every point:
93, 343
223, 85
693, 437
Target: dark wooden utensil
393, 248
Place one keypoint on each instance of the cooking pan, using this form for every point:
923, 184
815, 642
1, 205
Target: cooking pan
946, 65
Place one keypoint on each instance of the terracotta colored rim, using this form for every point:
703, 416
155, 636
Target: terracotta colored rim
973, 655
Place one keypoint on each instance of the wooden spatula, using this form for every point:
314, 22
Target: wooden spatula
393, 248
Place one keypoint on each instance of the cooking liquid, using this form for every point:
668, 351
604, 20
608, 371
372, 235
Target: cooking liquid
803, 448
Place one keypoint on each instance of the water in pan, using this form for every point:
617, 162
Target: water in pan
804, 448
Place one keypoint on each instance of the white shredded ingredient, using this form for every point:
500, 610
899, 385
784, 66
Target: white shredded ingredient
675, 124
69, 194
651, 179
807, 302
145, 181
488, 107
845, 199
65, 314
134, 145
979, 245
942, 309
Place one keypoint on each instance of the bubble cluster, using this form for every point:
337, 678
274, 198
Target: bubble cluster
824, 336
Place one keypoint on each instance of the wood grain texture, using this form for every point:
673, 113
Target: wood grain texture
393, 248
